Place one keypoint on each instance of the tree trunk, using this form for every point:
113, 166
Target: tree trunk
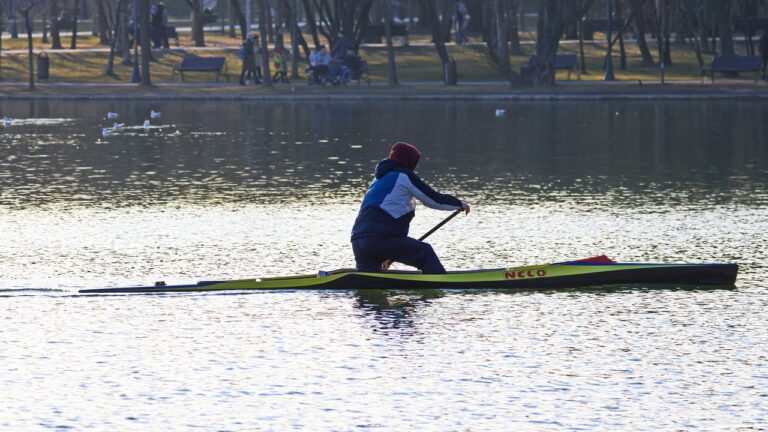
55, 27
690, 19
28, 23
582, 61
553, 17
2, 14
146, 81
125, 37
433, 23
640, 26
292, 20
237, 13
487, 18
278, 23
447, 21
103, 26
73, 42
723, 17
514, 32
198, 33
111, 60
263, 25
309, 11
268, 19
502, 46
622, 50
45, 27
391, 68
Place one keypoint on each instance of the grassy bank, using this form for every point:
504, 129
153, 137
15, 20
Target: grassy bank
415, 63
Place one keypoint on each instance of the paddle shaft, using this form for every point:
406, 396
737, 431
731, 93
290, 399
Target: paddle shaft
440, 225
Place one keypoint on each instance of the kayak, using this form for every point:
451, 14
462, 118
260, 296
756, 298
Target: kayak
570, 274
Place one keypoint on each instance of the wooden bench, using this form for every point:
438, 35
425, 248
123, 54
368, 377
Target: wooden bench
201, 64
567, 62
726, 64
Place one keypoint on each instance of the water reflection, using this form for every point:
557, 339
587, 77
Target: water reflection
319, 151
393, 312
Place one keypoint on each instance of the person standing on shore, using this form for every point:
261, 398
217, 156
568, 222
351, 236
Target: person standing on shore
249, 62
256, 59
380, 233
462, 18
762, 47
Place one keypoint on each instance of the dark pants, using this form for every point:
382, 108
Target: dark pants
370, 252
765, 68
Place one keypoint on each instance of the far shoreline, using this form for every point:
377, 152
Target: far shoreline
407, 92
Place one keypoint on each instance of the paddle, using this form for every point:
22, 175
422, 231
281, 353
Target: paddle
385, 265
440, 225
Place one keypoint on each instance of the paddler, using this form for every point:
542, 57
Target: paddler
380, 233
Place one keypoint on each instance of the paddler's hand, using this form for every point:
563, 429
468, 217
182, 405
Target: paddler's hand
465, 207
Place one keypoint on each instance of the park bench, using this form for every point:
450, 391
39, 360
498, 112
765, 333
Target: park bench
374, 33
201, 64
726, 64
566, 62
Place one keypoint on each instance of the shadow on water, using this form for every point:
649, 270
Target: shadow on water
393, 309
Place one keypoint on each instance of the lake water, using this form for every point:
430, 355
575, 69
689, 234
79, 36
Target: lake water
235, 190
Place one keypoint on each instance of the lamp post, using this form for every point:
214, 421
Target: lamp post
136, 75
609, 56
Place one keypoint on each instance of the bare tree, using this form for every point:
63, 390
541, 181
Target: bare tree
2, 25
722, 11
391, 67
435, 13
198, 31
28, 24
553, 17
146, 54
311, 23
55, 25
263, 24
348, 16
75, 14
237, 12
113, 42
640, 29
103, 22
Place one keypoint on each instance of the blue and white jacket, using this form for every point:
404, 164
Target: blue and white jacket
390, 203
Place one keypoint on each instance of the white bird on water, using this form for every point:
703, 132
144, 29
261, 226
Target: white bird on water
7, 121
500, 112
105, 132
117, 127
146, 124
111, 115
154, 115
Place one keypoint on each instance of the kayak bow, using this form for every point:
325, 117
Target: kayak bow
572, 274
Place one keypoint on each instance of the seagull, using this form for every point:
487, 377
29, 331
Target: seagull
7, 121
117, 127
146, 124
154, 115
111, 115
105, 132
500, 112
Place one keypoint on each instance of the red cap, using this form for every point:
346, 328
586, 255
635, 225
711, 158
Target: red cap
406, 154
